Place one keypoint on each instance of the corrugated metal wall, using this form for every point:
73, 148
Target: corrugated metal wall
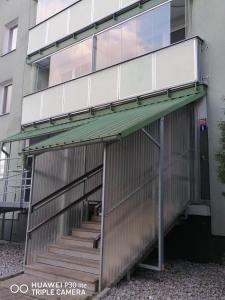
131, 191
52, 171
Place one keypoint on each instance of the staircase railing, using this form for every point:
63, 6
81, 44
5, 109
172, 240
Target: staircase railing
56, 215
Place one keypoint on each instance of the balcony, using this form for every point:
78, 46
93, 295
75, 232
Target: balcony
168, 67
77, 16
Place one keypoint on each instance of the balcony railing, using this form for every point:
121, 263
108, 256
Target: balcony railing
171, 66
79, 15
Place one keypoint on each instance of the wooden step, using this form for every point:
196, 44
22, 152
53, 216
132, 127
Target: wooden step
91, 225
57, 273
82, 252
70, 262
78, 241
96, 218
86, 233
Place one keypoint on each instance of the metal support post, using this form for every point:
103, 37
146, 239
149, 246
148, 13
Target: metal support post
102, 220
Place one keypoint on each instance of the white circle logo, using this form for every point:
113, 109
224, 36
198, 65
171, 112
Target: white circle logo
23, 288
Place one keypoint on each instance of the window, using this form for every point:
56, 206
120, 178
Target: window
10, 37
5, 98
47, 8
65, 65
2, 164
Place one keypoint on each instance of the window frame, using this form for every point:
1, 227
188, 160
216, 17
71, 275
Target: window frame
5, 97
10, 37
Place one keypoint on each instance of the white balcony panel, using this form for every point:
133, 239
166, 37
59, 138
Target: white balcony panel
180, 65
76, 95
80, 15
105, 8
37, 37
169, 67
127, 2
52, 104
135, 79
31, 108
104, 87
72, 19
59, 23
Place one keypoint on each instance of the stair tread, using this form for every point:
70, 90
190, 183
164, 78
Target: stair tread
71, 259
77, 238
63, 272
87, 230
76, 248
91, 222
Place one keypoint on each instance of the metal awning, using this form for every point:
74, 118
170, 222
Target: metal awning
119, 123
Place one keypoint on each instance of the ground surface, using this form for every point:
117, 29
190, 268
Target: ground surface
11, 258
180, 281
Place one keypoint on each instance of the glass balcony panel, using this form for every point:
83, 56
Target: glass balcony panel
145, 33
71, 63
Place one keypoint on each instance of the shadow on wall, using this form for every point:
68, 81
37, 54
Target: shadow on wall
192, 240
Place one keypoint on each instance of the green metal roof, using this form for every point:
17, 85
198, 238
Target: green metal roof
118, 124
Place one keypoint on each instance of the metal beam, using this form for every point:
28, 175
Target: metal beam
151, 137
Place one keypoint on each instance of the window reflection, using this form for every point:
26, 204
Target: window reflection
47, 8
140, 35
71, 63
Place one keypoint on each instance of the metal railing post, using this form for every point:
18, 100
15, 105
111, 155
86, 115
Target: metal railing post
29, 211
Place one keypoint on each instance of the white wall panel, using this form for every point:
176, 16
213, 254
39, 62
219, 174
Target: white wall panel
169, 67
37, 37
76, 95
176, 65
136, 77
80, 15
105, 8
57, 27
127, 2
104, 86
31, 108
52, 102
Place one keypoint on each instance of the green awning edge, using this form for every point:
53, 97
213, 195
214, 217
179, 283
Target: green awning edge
73, 137
62, 124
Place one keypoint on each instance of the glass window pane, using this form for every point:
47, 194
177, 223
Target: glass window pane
71, 63
13, 38
2, 164
47, 8
145, 33
6, 99
109, 48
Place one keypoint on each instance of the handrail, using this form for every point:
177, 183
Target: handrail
64, 209
66, 188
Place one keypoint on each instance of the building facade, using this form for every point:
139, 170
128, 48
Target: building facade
111, 102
